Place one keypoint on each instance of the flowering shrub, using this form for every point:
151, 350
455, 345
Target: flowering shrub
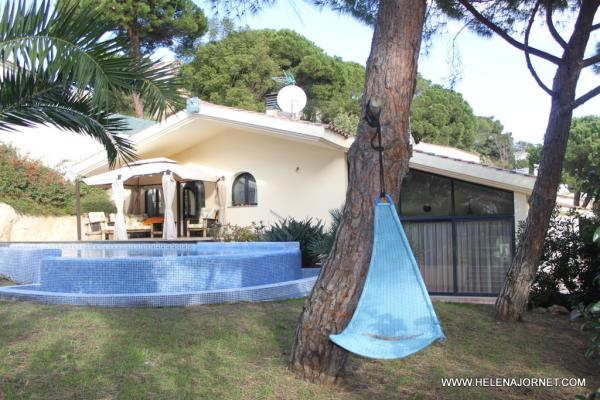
236, 233
32, 188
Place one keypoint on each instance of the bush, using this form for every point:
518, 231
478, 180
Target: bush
304, 232
32, 188
320, 248
236, 233
95, 199
570, 261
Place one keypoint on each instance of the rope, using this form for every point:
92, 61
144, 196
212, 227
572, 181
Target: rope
373, 121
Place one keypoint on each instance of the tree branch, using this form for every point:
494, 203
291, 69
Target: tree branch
527, 55
585, 97
504, 35
594, 27
591, 61
551, 26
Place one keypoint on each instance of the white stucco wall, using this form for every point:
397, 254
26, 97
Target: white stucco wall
16, 227
521, 208
293, 178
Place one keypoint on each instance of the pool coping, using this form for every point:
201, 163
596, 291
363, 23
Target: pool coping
277, 291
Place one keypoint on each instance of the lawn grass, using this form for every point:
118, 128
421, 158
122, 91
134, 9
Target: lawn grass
240, 352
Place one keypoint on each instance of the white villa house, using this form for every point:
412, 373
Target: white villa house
459, 215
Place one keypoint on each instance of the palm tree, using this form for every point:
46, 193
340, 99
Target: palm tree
59, 67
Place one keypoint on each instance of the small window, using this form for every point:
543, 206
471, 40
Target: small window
244, 190
193, 199
153, 200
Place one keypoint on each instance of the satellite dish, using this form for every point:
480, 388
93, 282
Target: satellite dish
291, 99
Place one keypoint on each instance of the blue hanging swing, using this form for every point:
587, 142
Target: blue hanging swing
394, 317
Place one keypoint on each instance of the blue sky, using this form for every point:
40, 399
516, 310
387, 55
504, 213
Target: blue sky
495, 80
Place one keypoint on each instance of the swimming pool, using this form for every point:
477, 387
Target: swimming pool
155, 274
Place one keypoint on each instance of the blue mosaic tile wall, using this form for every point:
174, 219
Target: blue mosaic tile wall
154, 274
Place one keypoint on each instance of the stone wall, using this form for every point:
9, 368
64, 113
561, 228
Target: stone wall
16, 227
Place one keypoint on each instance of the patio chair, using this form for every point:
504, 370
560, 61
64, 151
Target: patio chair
208, 217
96, 226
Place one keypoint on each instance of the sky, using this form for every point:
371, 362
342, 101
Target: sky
495, 79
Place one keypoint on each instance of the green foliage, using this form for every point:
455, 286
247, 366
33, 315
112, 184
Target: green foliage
304, 232
442, 116
582, 160
495, 146
570, 260
32, 188
68, 71
236, 71
94, 199
321, 247
175, 24
346, 122
236, 233
534, 157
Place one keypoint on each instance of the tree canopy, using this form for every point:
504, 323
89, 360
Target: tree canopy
581, 171
175, 24
442, 116
237, 70
495, 146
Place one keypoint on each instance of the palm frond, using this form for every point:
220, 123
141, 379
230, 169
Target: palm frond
68, 48
27, 99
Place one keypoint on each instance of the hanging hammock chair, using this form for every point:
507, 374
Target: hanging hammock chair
394, 317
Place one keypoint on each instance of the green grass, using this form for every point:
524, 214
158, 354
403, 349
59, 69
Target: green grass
240, 352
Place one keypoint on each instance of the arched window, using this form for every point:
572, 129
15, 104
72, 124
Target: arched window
193, 199
244, 190
153, 199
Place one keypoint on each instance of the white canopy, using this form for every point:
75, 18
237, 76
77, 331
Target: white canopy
149, 172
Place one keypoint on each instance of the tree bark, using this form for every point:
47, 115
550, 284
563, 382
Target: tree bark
134, 39
390, 81
513, 298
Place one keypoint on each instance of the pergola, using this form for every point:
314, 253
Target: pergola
152, 173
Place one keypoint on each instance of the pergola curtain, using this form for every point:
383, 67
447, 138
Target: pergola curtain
222, 199
168, 185
120, 232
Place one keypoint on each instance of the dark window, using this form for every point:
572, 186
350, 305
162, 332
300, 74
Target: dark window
153, 199
471, 199
244, 190
426, 195
193, 199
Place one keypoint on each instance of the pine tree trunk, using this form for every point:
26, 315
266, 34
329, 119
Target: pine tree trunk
390, 79
134, 38
513, 298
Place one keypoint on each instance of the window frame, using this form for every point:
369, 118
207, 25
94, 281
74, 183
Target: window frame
245, 202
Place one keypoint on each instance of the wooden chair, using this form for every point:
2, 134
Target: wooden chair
96, 226
208, 217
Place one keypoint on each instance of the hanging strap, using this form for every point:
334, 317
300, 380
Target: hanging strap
373, 121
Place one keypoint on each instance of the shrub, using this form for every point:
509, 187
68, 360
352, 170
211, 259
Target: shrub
95, 199
570, 261
32, 188
304, 232
236, 233
321, 247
